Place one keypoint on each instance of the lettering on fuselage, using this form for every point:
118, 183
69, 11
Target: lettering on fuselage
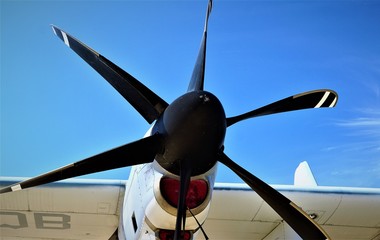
17, 220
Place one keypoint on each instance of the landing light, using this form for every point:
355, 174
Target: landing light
196, 194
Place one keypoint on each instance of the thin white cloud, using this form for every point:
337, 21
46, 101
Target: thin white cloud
363, 130
361, 122
367, 175
367, 127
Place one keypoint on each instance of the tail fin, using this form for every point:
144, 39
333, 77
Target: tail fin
303, 177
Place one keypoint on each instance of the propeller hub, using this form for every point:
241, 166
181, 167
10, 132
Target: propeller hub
194, 127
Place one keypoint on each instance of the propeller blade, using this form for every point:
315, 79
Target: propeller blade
146, 102
197, 78
312, 99
297, 219
185, 175
138, 152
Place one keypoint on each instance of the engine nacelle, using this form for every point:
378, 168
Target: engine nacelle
149, 207
161, 212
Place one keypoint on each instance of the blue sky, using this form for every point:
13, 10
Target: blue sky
56, 110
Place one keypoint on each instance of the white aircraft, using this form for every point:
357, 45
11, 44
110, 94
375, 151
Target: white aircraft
170, 193
112, 209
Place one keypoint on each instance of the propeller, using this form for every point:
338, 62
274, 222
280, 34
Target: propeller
146, 102
159, 145
297, 219
138, 152
312, 99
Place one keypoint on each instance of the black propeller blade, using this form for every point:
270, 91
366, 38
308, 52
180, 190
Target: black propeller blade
313, 99
297, 219
146, 102
185, 175
138, 152
197, 78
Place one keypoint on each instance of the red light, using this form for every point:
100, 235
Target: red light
169, 235
195, 196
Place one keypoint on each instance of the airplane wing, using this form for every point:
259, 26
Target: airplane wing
73, 209
345, 213
89, 209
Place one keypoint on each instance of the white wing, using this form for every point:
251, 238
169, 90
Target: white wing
89, 209
74, 209
345, 213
